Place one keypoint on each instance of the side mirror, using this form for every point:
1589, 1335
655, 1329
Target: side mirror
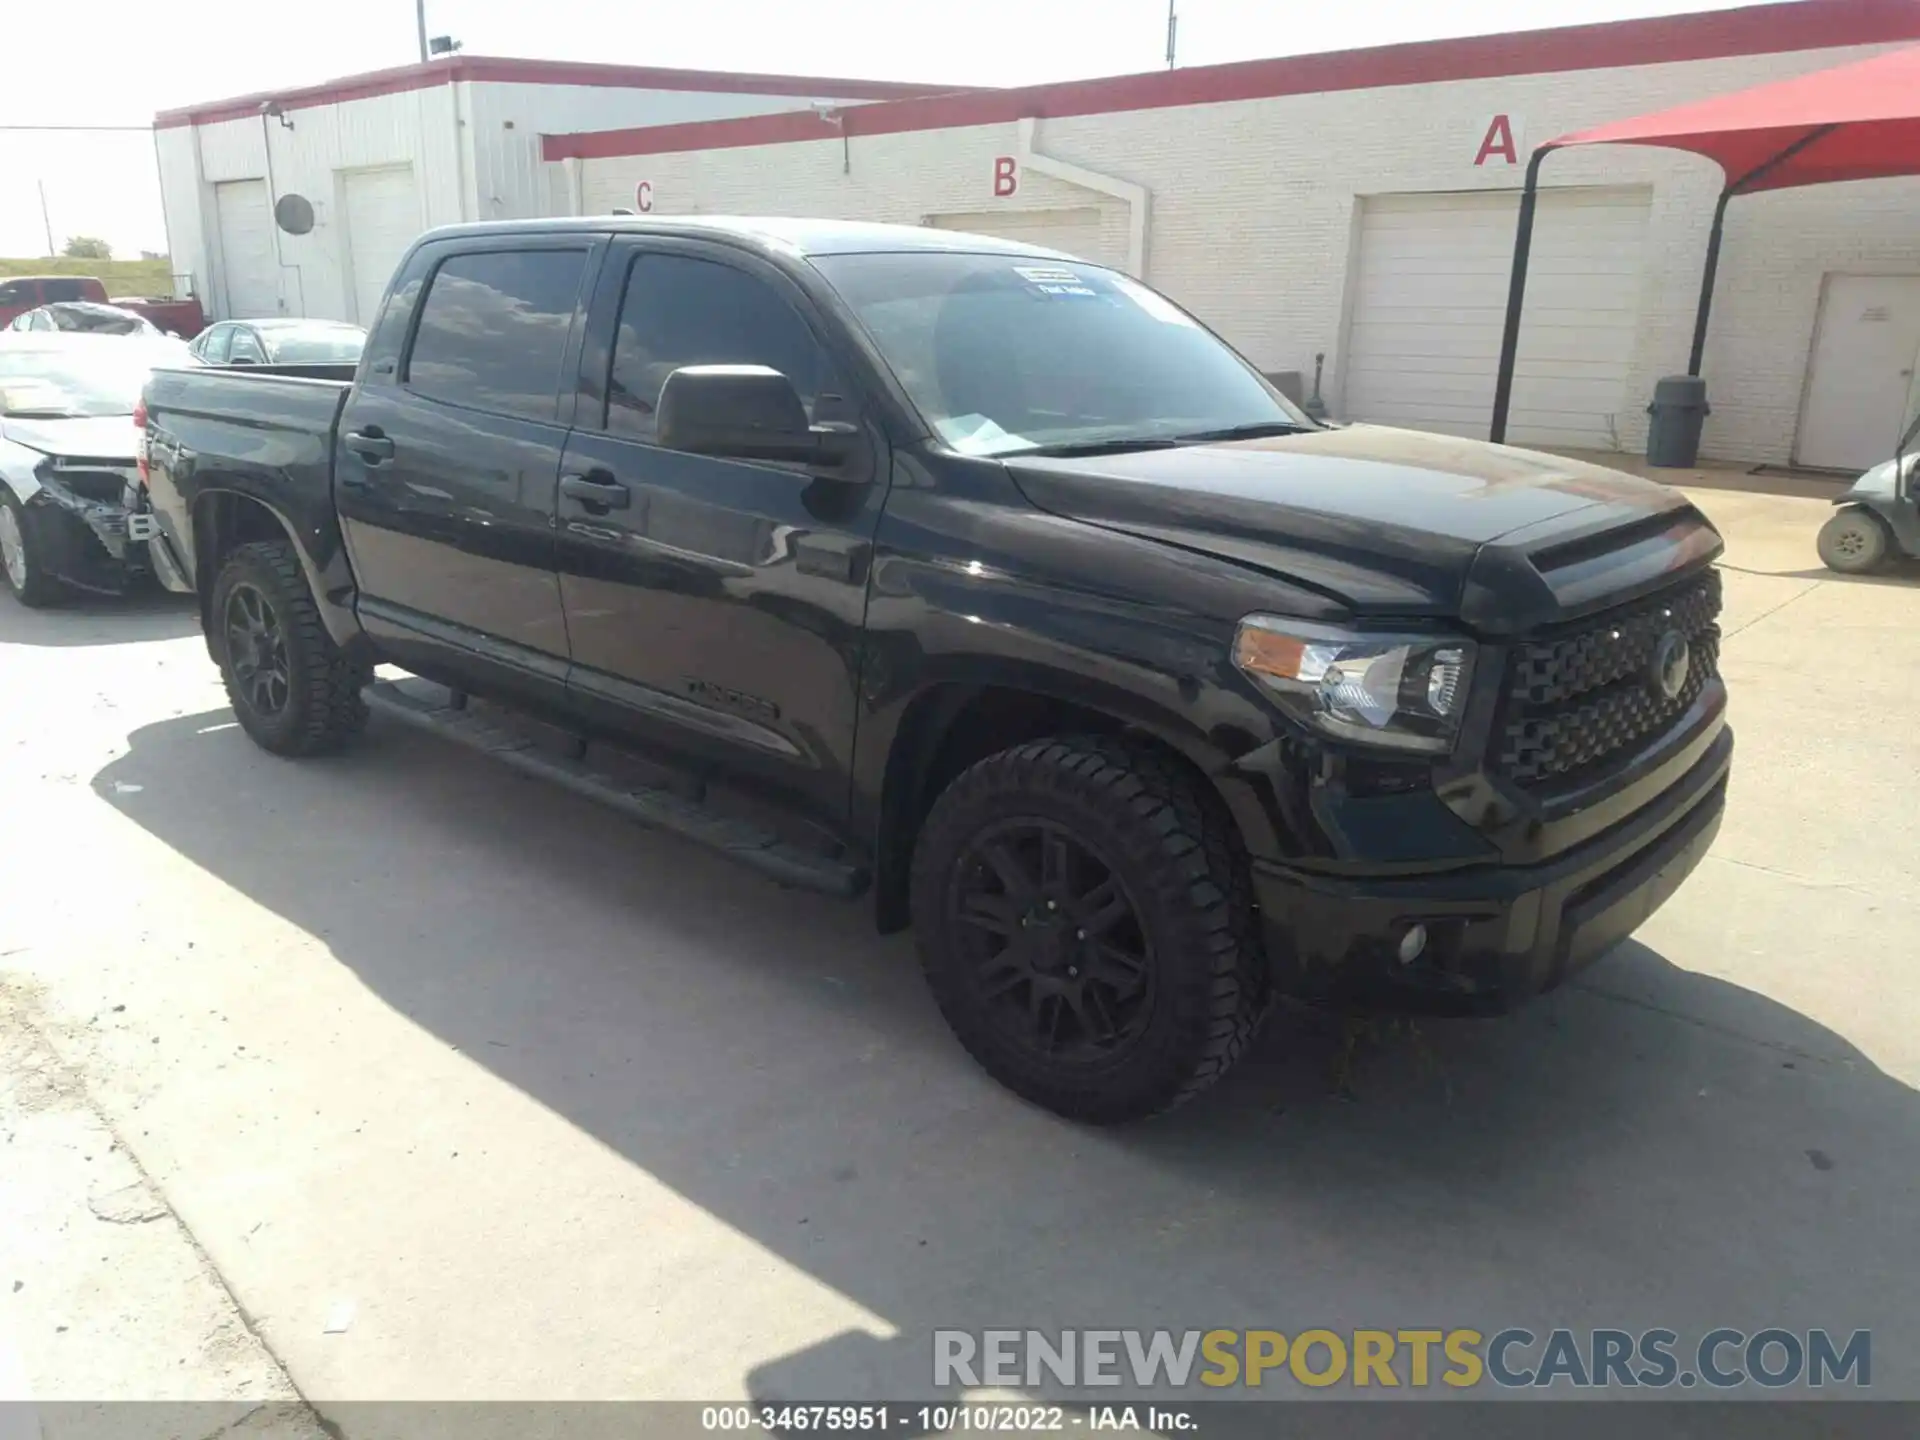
750, 412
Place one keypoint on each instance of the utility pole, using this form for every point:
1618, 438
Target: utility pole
1173, 29
46, 220
420, 24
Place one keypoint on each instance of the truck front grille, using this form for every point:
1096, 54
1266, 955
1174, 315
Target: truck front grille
1578, 699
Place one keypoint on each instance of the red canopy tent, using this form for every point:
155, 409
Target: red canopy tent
1857, 122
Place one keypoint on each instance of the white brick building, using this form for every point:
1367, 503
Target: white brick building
1361, 205
381, 157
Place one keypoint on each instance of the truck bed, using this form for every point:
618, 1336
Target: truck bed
208, 403
253, 431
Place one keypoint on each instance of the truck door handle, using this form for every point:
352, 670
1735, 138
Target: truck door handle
370, 445
608, 494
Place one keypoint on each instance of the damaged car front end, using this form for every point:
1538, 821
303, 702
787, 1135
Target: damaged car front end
99, 523
73, 504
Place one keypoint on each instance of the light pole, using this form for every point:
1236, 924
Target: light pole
47, 221
1173, 29
420, 23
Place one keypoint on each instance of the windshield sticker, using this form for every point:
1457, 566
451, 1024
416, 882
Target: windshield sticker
1054, 280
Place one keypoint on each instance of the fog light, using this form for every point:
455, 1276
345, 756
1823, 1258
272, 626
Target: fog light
1412, 943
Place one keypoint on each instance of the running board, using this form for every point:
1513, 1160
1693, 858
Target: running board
417, 704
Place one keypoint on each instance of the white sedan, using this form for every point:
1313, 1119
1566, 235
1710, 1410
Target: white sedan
71, 499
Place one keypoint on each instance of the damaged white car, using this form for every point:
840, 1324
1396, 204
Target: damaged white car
73, 513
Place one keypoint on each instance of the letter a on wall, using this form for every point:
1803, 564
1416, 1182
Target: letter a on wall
1498, 142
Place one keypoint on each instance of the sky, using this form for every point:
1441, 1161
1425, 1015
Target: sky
182, 52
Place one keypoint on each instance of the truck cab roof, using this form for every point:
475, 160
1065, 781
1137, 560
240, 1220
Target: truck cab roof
785, 235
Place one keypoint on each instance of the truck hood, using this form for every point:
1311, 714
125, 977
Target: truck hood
101, 437
1394, 521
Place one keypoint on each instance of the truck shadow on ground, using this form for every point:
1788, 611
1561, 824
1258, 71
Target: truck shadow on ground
100, 619
1650, 1147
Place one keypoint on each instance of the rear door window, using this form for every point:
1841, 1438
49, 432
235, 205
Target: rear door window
54, 291
246, 347
217, 344
493, 330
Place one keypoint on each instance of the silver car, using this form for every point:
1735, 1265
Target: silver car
279, 342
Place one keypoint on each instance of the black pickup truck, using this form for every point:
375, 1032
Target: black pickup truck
990, 582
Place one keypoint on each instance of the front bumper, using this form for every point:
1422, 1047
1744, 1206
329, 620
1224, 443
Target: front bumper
93, 544
1497, 936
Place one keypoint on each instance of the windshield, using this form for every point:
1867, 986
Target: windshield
316, 347
59, 384
97, 321
1010, 353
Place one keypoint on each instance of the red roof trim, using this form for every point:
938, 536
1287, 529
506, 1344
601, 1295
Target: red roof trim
1753, 30
540, 72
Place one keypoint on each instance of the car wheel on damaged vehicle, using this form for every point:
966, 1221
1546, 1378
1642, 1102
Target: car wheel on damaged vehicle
292, 689
1084, 926
22, 554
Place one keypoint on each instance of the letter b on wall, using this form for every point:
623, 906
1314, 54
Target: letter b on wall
1006, 177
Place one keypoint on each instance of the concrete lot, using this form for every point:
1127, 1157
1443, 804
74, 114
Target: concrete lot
517, 1100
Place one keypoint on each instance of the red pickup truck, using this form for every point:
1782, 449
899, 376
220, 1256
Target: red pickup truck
20, 293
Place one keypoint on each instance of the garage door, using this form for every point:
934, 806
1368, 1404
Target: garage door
1093, 232
1430, 299
383, 218
249, 268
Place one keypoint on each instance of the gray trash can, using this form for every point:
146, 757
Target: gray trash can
1679, 409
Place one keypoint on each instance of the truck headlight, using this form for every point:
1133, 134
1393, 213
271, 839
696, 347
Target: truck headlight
1400, 692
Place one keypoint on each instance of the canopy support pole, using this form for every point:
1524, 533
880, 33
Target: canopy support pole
1516, 296
1523, 251
1706, 283
1759, 171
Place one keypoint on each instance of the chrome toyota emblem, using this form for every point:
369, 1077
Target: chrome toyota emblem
1671, 663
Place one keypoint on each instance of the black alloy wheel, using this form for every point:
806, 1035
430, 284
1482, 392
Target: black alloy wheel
1084, 920
293, 690
257, 651
1054, 941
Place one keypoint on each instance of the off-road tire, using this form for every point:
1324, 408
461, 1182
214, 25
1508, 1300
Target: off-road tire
324, 709
40, 588
1854, 542
1175, 852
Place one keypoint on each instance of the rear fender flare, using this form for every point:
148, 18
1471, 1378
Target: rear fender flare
332, 593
